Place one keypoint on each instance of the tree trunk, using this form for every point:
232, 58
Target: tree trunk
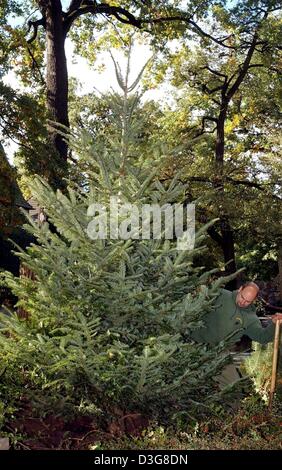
57, 76
225, 227
228, 246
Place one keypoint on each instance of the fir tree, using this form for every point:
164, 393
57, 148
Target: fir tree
109, 320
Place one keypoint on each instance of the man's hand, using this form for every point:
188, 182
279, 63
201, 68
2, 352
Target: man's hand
276, 317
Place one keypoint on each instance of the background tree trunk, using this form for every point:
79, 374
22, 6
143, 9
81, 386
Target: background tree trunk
57, 76
227, 242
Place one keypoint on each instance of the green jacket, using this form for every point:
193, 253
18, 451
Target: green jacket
227, 317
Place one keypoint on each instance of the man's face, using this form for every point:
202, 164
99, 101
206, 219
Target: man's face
246, 296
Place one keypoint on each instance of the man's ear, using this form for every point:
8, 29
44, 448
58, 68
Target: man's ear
240, 289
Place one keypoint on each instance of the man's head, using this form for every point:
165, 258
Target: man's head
247, 294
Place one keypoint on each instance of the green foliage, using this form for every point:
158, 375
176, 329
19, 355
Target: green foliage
109, 320
23, 120
10, 197
251, 427
202, 71
12, 386
23, 105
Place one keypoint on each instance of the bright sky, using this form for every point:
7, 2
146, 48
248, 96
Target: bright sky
91, 79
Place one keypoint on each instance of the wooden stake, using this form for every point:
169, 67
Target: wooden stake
274, 363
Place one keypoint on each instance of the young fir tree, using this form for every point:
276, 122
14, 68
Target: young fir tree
109, 319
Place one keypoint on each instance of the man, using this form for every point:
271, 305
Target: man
234, 315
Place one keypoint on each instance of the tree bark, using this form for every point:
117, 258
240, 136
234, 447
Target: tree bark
57, 23
57, 75
227, 238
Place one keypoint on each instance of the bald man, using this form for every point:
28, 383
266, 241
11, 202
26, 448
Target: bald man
234, 315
